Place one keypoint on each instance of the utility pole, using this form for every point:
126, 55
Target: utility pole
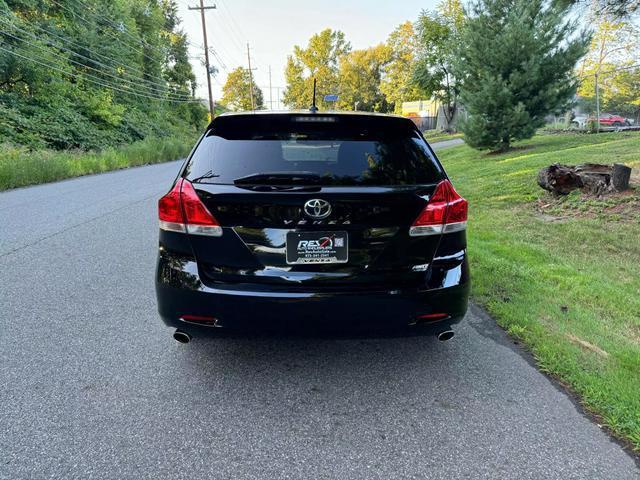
270, 92
253, 106
597, 104
202, 8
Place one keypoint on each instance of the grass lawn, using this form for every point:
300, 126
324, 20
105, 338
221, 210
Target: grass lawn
562, 276
20, 167
433, 136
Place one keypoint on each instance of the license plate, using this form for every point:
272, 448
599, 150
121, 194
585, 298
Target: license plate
317, 247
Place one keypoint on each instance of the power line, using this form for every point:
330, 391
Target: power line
233, 24
224, 52
76, 44
76, 14
235, 48
215, 54
121, 27
120, 68
202, 9
617, 69
238, 35
236, 40
135, 83
83, 77
152, 92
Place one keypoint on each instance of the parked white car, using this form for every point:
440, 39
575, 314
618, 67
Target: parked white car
579, 121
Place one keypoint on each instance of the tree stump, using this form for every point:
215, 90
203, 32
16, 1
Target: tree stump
591, 178
559, 179
620, 177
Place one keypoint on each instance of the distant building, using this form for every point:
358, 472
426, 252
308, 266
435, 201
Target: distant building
420, 108
424, 113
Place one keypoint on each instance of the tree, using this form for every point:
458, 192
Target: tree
93, 74
619, 9
615, 48
360, 73
515, 61
320, 59
236, 92
397, 84
438, 34
178, 72
615, 42
624, 95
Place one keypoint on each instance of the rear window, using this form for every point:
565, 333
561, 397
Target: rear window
317, 149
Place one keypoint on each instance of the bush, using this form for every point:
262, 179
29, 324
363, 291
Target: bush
20, 167
59, 124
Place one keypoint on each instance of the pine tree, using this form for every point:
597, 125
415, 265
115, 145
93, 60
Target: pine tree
516, 64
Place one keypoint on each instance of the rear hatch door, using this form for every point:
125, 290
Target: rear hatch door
322, 201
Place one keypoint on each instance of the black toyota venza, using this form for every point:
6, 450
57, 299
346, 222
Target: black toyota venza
312, 221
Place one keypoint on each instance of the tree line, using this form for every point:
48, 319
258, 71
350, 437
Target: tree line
510, 63
89, 74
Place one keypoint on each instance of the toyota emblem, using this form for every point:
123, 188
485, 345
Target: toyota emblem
317, 208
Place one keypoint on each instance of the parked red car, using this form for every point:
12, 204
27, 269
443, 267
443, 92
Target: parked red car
609, 120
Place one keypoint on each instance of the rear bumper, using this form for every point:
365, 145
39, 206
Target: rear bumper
181, 293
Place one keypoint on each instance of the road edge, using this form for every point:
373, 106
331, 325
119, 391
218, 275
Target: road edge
525, 353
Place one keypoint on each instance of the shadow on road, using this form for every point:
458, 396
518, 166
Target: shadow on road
325, 373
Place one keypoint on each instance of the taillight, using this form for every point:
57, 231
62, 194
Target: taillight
170, 210
198, 219
181, 210
445, 212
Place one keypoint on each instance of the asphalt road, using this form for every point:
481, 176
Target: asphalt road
447, 143
93, 385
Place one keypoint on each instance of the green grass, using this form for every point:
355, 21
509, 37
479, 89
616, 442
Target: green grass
561, 275
433, 136
20, 167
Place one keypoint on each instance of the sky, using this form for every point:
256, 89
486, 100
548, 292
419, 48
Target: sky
272, 28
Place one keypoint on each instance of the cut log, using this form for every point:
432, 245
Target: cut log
591, 178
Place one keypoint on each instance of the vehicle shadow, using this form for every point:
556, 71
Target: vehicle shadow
321, 371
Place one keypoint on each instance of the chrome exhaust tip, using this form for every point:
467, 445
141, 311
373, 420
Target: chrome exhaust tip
446, 335
181, 337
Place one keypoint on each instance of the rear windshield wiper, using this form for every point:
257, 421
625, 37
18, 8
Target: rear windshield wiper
279, 178
207, 176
